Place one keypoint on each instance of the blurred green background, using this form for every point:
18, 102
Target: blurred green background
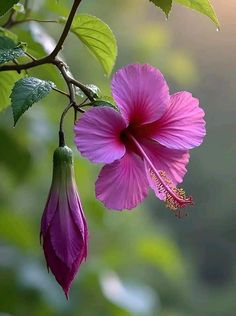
143, 262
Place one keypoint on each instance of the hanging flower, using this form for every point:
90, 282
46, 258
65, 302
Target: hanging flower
145, 144
63, 227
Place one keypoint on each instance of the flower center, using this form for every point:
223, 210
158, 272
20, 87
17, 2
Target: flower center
175, 198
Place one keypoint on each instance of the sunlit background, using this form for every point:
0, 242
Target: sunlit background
143, 262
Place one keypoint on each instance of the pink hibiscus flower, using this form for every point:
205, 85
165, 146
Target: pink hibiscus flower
145, 144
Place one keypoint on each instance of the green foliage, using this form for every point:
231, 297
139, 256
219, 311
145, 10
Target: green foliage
9, 50
202, 6
94, 90
6, 43
6, 5
6, 33
99, 39
102, 102
19, 8
165, 5
26, 92
7, 81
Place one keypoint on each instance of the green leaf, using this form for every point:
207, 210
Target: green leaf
99, 39
165, 5
6, 5
101, 102
9, 34
9, 50
19, 7
6, 42
109, 99
94, 90
202, 6
7, 81
26, 92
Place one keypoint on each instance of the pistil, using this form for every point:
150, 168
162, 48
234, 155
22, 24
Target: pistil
175, 198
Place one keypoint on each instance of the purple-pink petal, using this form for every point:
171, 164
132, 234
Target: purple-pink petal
63, 273
97, 135
66, 237
50, 209
172, 162
182, 126
122, 184
141, 93
78, 217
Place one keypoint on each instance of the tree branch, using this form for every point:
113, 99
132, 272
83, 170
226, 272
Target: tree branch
66, 28
53, 59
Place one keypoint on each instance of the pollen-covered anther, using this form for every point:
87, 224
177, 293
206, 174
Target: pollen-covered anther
175, 198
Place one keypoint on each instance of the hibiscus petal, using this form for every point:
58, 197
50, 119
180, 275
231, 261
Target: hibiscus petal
97, 135
173, 162
122, 184
50, 209
66, 236
183, 124
63, 274
141, 93
66, 239
77, 213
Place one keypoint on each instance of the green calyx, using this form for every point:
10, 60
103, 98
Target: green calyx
62, 155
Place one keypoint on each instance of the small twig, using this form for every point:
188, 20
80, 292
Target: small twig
33, 20
30, 56
32, 64
72, 82
63, 67
82, 103
61, 92
79, 106
15, 62
75, 115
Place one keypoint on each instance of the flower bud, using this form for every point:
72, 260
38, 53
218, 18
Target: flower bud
64, 231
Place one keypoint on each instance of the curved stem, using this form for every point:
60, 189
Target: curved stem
66, 28
61, 131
